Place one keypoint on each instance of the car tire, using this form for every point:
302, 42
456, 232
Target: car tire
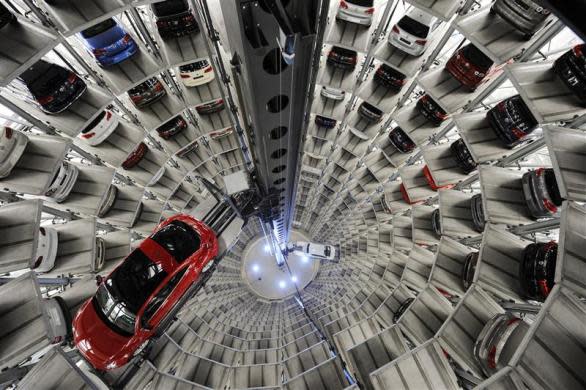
66, 315
528, 36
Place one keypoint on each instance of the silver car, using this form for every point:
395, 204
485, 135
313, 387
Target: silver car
525, 15
356, 11
63, 182
498, 341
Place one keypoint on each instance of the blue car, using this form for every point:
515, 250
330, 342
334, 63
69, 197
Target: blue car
109, 43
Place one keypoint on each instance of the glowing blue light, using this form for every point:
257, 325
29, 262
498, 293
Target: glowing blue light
305, 259
282, 284
267, 248
294, 279
255, 268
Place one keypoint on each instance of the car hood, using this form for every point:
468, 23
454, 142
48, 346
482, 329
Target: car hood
96, 341
106, 38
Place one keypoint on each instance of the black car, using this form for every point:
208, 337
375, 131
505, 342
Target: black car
571, 68
542, 194
401, 141
537, 270
174, 18
49, 86
212, 107
172, 127
402, 309
342, 58
511, 120
477, 213
389, 77
431, 110
147, 92
462, 156
469, 269
436, 222
370, 112
326, 122
6, 16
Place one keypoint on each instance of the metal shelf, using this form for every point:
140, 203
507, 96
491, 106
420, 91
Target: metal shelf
19, 232
72, 18
415, 183
456, 214
423, 233
349, 35
571, 257
446, 274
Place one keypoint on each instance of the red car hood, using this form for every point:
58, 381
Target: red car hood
99, 344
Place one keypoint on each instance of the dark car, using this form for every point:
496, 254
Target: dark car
174, 18
469, 269
436, 222
389, 77
172, 127
571, 68
6, 16
49, 86
537, 270
401, 141
477, 213
397, 315
431, 110
211, 107
147, 92
326, 122
135, 156
462, 156
342, 58
370, 112
542, 194
470, 66
525, 15
511, 120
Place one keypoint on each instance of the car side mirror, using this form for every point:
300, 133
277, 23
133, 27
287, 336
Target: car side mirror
99, 279
145, 324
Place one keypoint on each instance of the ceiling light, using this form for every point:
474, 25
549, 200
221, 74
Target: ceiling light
255, 268
282, 284
294, 279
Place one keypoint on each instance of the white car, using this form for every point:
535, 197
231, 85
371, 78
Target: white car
155, 179
108, 201
356, 11
197, 73
100, 128
100, 255
332, 93
58, 324
12, 145
287, 45
44, 258
413, 33
63, 182
320, 251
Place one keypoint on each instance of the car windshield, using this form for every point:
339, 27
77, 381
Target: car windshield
343, 52
145, 86
198, 65
477, 57
327, 251
413, 27
98, 28
179, 239
94, 123
135, 280
115, 313
170, 7
362, 3
42, 80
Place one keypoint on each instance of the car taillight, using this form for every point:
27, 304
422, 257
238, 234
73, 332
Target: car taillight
126, 38
396, 29
99, 52
8, 133
369, 11
491, 358
188, 18
501, 107
45, 100
88, 135
343, 5
517, 133
539, 171
208, 69
184, 76
550, 206
421, 41
108, 115
543, 287
162, 23
441, 115
136, 98
159, 87
578, 51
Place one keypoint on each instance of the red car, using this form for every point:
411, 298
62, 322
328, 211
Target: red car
471, 67
143, 292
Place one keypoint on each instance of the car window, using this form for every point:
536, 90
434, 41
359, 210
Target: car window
163, 293
115, 314
198, 65
136, 279
179, 239
477, 57
98, 28
413, 27
362, 3
46, 81
170, 7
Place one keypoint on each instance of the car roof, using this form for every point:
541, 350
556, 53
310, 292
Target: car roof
421, 16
